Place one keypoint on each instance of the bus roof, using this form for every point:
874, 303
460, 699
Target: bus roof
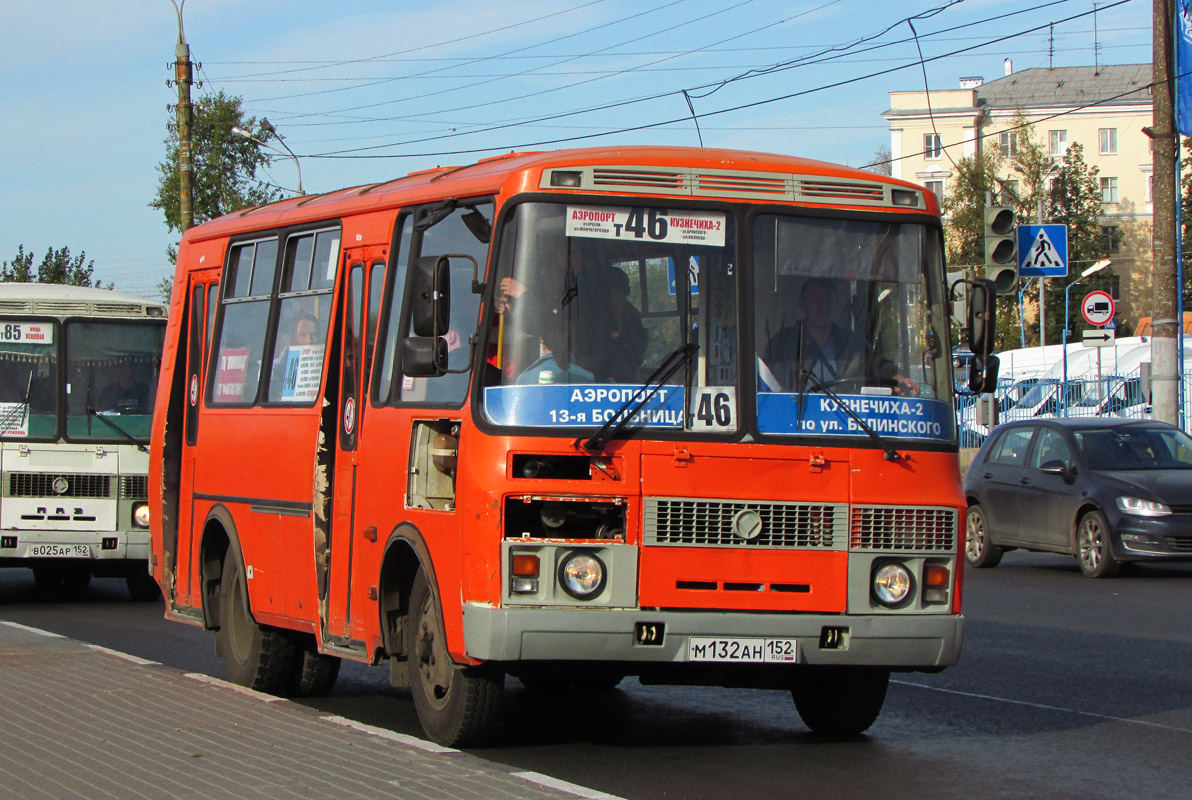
656, 171
57, 300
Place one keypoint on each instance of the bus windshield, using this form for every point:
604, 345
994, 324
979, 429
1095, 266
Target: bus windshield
591, 300
111, 370
851, 308
28, 380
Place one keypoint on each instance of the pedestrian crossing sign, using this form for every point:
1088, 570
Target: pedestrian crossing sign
1043, 251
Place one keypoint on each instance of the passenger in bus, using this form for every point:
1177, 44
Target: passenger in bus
831, 354
126, 394
306, 329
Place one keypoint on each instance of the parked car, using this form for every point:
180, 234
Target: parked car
1104, 490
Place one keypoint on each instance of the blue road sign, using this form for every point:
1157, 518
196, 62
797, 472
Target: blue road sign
1043, 251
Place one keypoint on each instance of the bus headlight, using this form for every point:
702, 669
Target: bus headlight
891, 584
140, 515
582, 575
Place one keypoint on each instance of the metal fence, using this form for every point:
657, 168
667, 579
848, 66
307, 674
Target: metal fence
1040, 397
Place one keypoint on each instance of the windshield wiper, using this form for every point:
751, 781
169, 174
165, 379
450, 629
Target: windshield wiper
623, 415
888, 450
91, 410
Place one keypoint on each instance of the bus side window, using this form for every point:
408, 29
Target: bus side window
245, 318
454, 235
298, 346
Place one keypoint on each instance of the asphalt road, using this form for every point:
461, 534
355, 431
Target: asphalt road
1068, 687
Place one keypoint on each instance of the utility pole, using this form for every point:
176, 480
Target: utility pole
1165, 326
184, 76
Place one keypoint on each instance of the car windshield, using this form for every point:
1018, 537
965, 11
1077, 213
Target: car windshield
1135, 447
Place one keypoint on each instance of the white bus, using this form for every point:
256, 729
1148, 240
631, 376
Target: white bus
78, 375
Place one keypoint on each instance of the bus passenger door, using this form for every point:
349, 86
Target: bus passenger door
361, 298
201, 297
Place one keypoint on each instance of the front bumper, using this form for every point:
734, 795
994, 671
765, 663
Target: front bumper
24, 545
918, 641
1138, 538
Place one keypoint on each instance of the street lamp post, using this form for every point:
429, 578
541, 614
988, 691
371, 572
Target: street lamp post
1100, 265
288, 152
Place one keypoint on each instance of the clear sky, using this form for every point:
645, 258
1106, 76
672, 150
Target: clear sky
393, 87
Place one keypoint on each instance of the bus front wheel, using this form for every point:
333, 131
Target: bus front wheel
256, 656
456, 705
840, 701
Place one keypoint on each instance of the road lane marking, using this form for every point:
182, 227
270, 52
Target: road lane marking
38, 631
393, 736
1045, 707
564, 786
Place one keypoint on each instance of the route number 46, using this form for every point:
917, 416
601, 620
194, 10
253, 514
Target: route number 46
714, 409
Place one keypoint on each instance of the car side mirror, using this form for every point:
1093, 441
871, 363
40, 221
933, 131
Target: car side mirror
1054, 468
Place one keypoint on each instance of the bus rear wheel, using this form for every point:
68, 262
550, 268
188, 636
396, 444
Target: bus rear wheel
456, 705
840, 701
256, 656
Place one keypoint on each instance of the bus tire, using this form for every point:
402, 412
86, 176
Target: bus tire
456, 705
839, 701
48, 579
314, 673
255, 656
979, 549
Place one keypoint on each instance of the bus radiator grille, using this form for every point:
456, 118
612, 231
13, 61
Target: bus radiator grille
903, 528
134, 486
53, 484
728, 523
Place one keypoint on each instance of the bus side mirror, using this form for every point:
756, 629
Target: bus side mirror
431, 308
982, 317
424, 356
983, 374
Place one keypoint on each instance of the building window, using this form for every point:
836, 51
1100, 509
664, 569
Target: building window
1008, 143
1109, 190
1150, 188
1108, 138
1111, 238
1057, 142
936, 188
932, 146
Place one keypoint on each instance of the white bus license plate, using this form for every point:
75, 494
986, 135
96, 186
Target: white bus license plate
60, 550
751, 650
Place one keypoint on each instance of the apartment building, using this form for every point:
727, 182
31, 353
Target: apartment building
1103, 108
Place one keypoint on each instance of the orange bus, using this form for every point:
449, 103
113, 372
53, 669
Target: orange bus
567, 417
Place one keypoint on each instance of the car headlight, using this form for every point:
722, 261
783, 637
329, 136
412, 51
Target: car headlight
891, 584
1142, 508
582, 575
140, 515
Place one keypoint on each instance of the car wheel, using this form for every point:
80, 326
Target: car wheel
1092, 547
456, 705
978, 549
839, 701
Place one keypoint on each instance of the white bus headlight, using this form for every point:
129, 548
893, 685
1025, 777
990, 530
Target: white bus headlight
140, 515
582, 575
891, 584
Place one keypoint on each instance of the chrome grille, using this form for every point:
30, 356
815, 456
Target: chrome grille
134, 486
709, 523
902, 528
41, 484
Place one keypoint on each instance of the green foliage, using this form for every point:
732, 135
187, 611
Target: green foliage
224, 178
57, 266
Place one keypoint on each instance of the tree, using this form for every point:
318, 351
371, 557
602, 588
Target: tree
879, 162
58, 266
224, 178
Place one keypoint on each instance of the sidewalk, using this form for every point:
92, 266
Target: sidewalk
82, 721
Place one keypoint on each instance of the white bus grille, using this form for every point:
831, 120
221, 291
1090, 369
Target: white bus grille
54, 484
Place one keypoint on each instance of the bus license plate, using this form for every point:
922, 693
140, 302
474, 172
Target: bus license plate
751, 650
60, 550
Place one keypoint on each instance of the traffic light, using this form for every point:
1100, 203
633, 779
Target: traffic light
1001, 248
